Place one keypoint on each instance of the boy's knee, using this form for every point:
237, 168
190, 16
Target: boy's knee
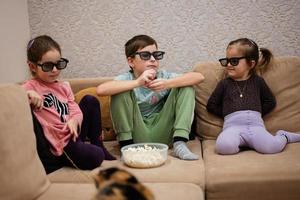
187, 90
121, 96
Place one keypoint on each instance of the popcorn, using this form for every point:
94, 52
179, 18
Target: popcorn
143, 156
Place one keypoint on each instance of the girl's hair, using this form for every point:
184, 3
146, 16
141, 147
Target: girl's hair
138, 42
251, 51
40, 45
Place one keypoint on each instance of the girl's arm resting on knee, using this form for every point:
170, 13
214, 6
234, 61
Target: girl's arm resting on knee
116, 86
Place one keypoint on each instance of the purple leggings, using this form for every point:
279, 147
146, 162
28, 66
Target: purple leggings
87, 156
247, 129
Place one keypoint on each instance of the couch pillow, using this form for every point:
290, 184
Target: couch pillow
207, 125
107, 127
22, 174
282, 78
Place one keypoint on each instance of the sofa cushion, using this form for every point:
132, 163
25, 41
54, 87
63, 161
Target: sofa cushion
22, 174
104, 101
161, 191
249, 175
178, 191
69, 191
282, 78
174, 170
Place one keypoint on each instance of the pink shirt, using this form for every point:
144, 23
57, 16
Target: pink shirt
59, 106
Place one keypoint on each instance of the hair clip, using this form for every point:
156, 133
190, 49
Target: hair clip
252, 42
30, 44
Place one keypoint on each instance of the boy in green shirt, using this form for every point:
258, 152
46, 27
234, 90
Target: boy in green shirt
152, 105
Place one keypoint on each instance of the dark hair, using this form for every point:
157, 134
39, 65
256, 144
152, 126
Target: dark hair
138, 42
251, 52
40, 45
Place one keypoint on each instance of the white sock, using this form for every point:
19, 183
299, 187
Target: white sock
182, 151
292, 137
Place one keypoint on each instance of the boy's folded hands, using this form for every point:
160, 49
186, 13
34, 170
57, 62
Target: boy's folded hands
157, 85
146, 77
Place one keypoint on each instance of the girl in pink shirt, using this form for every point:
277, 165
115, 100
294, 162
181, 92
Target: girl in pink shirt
60, 124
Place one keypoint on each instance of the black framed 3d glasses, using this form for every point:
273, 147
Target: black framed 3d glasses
234, 61
146, 55
48, 66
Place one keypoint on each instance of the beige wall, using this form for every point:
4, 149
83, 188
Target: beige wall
14, 33
92, 33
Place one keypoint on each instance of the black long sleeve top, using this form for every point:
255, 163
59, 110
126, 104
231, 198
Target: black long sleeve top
256, 96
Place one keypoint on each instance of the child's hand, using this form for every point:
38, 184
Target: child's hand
35, 99
72, 124
146, 77
158, 85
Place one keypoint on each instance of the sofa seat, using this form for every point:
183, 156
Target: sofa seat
250, 175
69, 191
174, 170
161, 191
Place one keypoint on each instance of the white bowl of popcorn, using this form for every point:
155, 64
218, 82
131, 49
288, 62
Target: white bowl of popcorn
144, 155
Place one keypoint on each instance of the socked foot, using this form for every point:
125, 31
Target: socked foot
181, 151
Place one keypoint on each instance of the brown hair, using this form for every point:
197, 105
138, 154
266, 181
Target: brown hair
40, 45
251, 51
138, 42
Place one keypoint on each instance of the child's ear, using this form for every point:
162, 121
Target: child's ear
130, 61
252, 63
32, 66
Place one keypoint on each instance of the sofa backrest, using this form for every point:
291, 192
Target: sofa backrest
22, 175
78, 84
283, 78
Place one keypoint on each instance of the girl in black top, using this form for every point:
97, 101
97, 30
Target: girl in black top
242, 99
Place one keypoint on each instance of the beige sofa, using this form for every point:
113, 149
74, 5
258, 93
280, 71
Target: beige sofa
247, 175
250, 175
